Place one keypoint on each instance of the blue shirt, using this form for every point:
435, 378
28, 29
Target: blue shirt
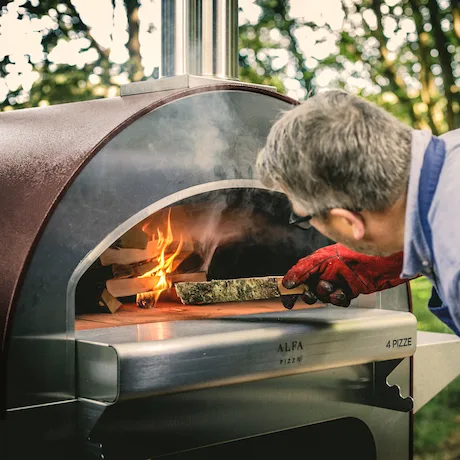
443, 269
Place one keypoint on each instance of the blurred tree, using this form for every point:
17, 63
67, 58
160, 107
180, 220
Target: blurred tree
403, 54
61, 22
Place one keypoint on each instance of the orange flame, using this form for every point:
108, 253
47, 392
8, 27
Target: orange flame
165, 263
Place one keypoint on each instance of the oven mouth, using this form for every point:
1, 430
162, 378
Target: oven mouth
235, 230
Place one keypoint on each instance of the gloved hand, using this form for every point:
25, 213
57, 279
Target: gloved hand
335, 274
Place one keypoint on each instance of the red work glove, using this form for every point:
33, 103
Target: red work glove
336, 274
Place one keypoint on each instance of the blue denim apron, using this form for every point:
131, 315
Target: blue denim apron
433, 162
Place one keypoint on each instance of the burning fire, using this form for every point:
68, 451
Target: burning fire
165, 261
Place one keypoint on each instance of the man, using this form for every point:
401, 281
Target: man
375, 186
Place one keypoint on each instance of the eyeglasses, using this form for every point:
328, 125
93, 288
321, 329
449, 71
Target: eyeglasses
304, 222
301, 222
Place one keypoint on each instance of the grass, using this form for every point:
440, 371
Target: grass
437, 424
421, 292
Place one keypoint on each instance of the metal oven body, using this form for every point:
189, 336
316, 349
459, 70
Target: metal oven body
204, 383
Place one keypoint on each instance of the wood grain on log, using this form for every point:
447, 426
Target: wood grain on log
128, 271
123, 287
110, 301
131, 256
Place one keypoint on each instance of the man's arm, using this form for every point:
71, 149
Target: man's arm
444, 220
446, 249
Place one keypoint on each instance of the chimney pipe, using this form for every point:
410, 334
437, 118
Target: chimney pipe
199, 37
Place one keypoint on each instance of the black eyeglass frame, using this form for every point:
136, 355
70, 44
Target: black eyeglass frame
304, 222
301, 222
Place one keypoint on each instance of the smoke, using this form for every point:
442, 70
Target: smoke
221, 221
208, 237
237, 233
244, 221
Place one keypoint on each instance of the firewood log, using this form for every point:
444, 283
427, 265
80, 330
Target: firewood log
233, 290
148, 300
131, 256
107, 300
131, 286
134, 238
128, 271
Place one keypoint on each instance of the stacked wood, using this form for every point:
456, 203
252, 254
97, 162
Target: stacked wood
233, 290
127, 263
123, 287
134, 238
128, 271
122, 256
90, 288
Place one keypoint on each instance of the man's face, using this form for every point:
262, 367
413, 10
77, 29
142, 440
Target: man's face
339, 230
343, 237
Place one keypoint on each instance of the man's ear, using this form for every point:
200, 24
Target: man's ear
353, 220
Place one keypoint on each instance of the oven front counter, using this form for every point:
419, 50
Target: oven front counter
129, 362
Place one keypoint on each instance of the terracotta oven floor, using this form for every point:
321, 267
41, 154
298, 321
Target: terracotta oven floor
129, 314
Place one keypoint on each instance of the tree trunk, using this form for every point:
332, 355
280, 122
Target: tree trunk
444, 60
425, 62
136, 71
455, 5
390, 69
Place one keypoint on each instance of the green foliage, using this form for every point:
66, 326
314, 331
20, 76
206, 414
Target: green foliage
402, 55
256, 43
58, 83
437, 424
421, 292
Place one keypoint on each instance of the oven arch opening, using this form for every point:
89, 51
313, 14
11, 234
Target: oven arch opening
229, 229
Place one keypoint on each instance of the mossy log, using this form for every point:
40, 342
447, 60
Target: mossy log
233, 290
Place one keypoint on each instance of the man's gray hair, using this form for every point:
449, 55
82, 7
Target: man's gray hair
337, 150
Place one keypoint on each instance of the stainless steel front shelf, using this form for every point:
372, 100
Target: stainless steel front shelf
142, 360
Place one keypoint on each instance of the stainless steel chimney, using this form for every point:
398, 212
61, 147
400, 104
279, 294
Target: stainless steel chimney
199, 47
199, 37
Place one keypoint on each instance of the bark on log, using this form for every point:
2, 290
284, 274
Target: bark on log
234, 290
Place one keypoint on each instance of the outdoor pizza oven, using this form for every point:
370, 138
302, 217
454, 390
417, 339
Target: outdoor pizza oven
106, 204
